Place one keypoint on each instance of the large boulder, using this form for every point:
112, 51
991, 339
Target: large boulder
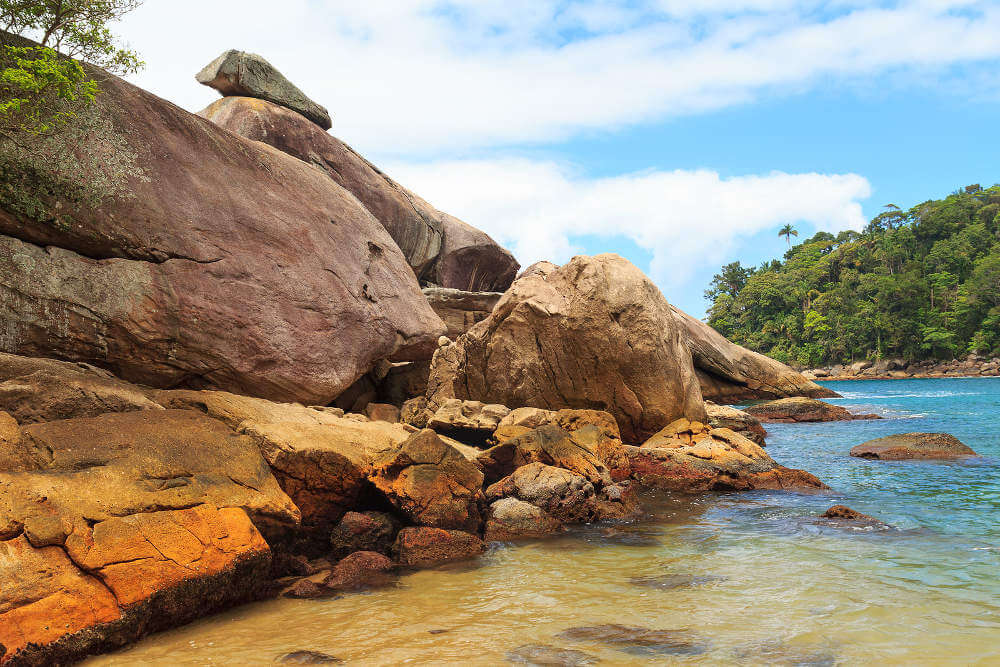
511, 519
218, 263
431, 483
440, 248
549, 445
692, 457
115, 526
241, 73
913, 446
801, 409
422, 546
564, 495
594, 334
729, 373
460, 310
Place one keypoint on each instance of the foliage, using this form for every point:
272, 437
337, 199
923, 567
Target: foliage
916, 284
59, 151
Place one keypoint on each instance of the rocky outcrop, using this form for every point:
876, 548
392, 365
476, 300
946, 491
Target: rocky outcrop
440, 249
691, 457
564, 495
41, 390
363, 531
913, 446
973, 365
594, 334
729, 373
431, 483
799, 409
119, 525
247, 74
724, 416
214, 235
460, 310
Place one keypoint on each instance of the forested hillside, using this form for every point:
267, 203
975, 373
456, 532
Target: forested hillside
916, 284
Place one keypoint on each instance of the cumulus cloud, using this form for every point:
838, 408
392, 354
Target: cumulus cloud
685, 219
421, 77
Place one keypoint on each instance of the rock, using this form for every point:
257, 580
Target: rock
913, 446
320, 459
431, 483
857, 367
415, 412
10, 437
88, 471
594, 334
308, 658
691, 457
551, 446
729, 373
724, 416
358, 570
460, 310
404, 382
563, 495
422, 546
306, 589
237, 73
382, 412
799, 409
120, 578
467, 420
439, 248
549, 656
512, 519
639, 641
542, 268
605, 442
363, 531
842, 513
471, 261
215, 234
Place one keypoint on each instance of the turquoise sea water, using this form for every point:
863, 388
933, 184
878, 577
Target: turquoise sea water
752, 578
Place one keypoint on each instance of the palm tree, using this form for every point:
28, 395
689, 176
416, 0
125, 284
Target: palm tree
788, 232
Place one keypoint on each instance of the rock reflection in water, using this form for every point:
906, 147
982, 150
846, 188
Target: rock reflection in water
638, 641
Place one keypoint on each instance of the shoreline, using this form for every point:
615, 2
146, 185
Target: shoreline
935, 376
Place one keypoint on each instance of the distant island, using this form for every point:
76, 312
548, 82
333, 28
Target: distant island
920, 284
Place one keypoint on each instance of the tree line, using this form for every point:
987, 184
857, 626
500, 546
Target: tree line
923, 283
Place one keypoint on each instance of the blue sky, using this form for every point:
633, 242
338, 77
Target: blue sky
681, 135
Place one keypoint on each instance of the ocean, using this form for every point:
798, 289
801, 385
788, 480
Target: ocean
749, 578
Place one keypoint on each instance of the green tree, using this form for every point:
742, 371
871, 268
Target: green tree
788, 232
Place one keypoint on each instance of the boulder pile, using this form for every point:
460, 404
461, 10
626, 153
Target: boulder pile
233, 380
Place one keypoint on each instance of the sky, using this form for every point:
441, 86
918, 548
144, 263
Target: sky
681, 135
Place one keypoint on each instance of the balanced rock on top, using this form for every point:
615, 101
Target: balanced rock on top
249, 75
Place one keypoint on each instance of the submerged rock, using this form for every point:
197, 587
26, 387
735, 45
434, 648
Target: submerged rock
359, 570
637, 640
595, 334
669, 582
844, 514
549, 656
308, 658
913, 446
247, 74
799, 409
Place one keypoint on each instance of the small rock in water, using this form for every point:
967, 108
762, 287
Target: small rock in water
308, 658
844, 513
913, 446
672, 581
539, 654
638, 641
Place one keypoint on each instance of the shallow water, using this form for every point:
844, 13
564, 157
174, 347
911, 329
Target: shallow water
748, 578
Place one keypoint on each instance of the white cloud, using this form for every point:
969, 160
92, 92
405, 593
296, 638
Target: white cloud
686, 219
421, 77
